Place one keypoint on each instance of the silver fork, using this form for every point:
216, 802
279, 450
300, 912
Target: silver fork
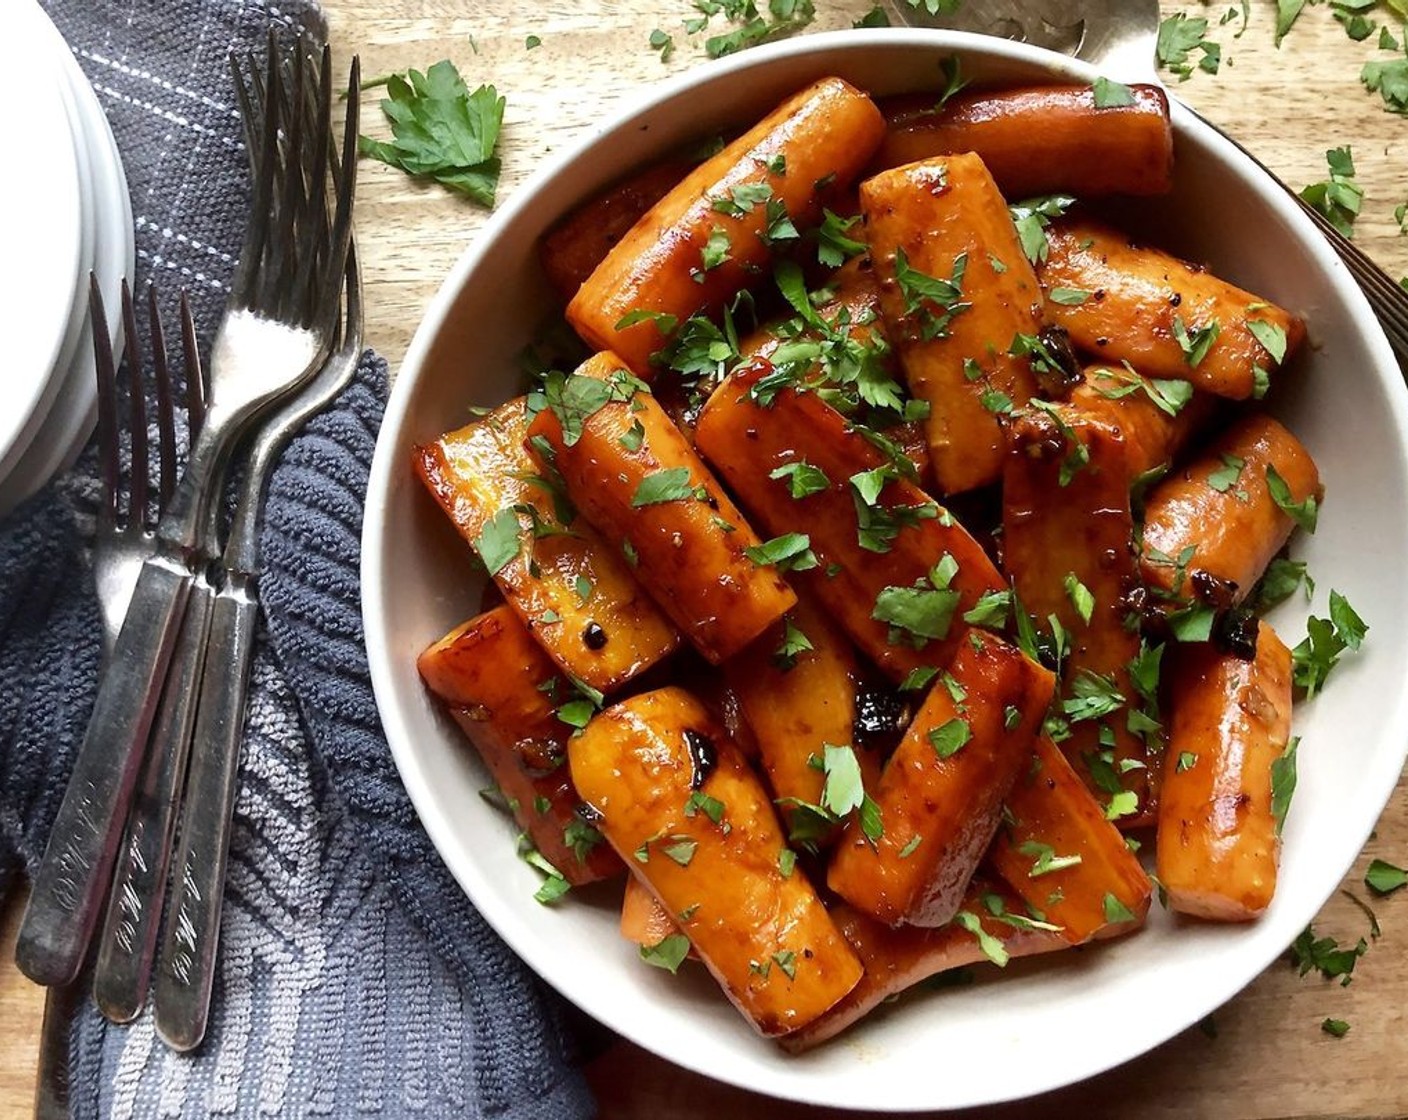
124, 537
1119, 36
182, 986
277, 330
181, 993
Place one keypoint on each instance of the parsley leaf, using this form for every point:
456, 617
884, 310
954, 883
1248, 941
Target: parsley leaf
1116, 911
1111, 95
442, 131
992, 948
1045, 859
1179, 37
1384, 878
833, 246
932, 299
803, 479
669, 485
924, 613
1305, 514
1390, 81
1283, 783
788, 553
1080, 596
668, 953
1339, 198
1226, 476
843, 790
1279, 583
1195, 344
1032, 217
1324, 955
949, 738
794, 642
497, 542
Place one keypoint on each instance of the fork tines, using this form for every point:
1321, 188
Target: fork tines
142, 507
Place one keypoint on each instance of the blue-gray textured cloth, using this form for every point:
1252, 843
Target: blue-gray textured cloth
355, 979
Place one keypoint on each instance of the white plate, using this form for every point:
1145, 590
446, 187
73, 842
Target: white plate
41, 229
74, 412
1049, 1022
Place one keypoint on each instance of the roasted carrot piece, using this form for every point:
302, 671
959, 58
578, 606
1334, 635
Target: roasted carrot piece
1068, 546
1218, 515
1041, 139
872, 548
1059, 853
798, 686
499, 686
940, 798
1219, 839
900, 957
1164, 317
957, 293
852, 310
482, 477
1156, 424
643, 919
693, 822
635, 478
710, 236
572, 249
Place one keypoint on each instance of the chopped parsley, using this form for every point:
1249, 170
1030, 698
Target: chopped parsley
951, 737
794, 642
497, 542
787, 553
1080, 596
803, 479
669, 485
1385, 878
1196, 343
1179, 38
700, 802
932, 300
1032, 217
554, 886
1045, 859
1304, 513
991, 947
1111, 95
668, 953
834, 246
921, 613
1338, 198
1324, 955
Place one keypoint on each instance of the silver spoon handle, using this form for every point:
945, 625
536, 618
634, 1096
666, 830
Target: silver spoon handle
181, 991
74, 875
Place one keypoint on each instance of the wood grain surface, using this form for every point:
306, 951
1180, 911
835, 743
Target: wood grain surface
1269, 1056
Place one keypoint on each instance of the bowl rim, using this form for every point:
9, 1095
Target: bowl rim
385, 466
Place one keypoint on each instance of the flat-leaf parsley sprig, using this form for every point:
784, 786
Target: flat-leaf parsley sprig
441, 131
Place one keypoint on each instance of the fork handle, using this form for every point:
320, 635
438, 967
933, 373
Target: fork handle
128, 941
181, 989
73, 877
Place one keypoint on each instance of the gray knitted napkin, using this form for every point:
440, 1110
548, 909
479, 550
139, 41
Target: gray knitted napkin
355, 978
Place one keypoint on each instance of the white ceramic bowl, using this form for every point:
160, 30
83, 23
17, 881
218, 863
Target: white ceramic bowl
1051, 1022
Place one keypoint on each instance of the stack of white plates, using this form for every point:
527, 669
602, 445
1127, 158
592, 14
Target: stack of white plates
64, 212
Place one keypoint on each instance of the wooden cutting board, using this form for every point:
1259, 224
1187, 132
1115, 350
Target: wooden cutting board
1269, 1056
